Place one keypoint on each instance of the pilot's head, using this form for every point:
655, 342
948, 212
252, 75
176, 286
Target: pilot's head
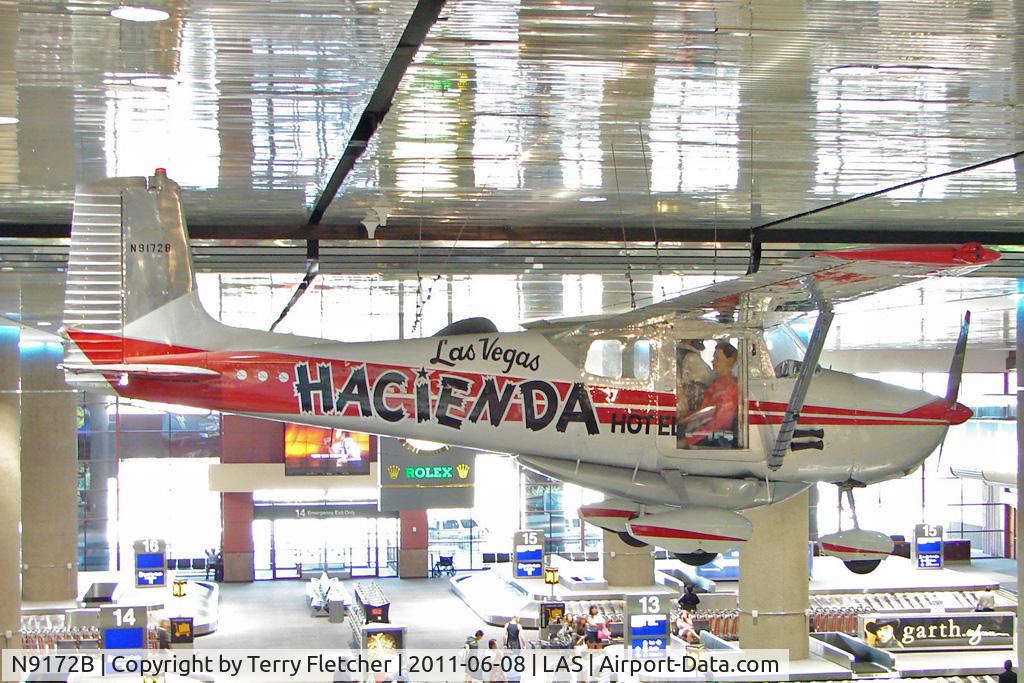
724, 358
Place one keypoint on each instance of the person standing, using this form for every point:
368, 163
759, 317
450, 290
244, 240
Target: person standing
689, 599
494, 653
1008, 675
469, 650
513, 634
594, 622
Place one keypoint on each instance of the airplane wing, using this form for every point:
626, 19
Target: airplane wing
777, 291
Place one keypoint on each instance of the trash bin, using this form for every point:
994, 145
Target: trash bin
336, 611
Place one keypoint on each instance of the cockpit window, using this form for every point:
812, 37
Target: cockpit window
604, 358
615, 359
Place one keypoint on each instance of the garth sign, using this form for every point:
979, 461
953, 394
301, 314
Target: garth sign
971, 631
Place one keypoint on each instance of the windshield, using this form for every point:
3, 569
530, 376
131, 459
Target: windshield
783, 345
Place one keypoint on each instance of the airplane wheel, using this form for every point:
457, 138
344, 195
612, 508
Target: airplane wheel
696, 559
631, 541
862, 566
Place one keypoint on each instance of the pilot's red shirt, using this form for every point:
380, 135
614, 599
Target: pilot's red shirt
721, 400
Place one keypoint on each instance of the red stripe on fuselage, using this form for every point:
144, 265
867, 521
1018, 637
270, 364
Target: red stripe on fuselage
847, 549
588, 513
638, 530
232, 392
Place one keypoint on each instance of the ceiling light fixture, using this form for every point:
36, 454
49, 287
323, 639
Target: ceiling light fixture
152, 82
136, 13
7, 120
593, 199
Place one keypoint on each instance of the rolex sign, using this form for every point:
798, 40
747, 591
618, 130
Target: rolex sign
414, 478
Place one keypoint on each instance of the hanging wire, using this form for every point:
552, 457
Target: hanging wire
419, 240
438, 276
622, 224
654, 211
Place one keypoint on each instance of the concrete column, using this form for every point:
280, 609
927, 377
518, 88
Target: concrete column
49, 472
10, 491
773, 579
625, 565
1019, 646
412, 544
237, 546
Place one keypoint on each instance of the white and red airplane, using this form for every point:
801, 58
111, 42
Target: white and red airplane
624, 403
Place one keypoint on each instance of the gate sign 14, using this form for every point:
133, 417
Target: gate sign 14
123, 627
928, 546
150, 563
647, 627
529, 554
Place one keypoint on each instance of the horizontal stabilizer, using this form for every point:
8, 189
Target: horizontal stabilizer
144, 371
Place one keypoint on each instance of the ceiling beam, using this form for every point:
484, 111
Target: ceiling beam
445, 233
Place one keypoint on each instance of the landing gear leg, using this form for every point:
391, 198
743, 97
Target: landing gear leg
855, 566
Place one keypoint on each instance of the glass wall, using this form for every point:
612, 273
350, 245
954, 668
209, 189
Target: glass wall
168, 499
128, 487
294, 548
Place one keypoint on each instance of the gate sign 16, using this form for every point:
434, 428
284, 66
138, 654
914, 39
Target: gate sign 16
150, 563
528, 562
928, 546
647, 628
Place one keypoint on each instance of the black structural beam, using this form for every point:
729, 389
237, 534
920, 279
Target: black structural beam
410, 232
423, 17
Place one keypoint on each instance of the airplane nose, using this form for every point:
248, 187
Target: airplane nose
959, 414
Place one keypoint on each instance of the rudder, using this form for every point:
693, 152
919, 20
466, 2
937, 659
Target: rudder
129, 256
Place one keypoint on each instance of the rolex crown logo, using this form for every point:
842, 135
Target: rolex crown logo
462, 470
393, 471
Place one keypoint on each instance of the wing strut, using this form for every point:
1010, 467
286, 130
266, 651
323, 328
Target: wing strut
803, 380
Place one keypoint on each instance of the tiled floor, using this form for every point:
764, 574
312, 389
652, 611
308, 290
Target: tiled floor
273, 614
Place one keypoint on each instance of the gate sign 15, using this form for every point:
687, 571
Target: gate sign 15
928, 546
528, 562
150, 563
647, 628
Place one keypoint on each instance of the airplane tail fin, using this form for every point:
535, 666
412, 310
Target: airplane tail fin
129, 258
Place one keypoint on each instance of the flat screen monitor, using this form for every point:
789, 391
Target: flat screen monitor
124, 639
323, 451
149, 561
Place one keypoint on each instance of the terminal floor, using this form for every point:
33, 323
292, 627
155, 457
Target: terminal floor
273, 614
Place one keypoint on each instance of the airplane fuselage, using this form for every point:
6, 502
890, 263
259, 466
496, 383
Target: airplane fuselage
519, 393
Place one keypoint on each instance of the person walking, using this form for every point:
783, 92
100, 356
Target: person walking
1008, 675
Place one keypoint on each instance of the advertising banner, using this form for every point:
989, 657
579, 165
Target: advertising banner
416, 476
960, 631
323, 451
